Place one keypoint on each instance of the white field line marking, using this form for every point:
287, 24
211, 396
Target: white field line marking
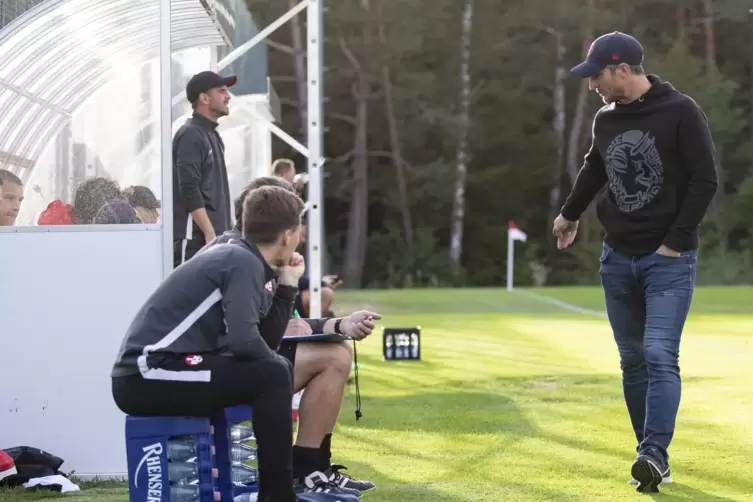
564, 305
697, 339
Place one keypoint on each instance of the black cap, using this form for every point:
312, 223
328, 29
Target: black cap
202, 82
610, 49
141, 196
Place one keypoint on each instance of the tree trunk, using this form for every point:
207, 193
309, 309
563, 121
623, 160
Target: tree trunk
711, 69
558, 124
355, 251
574, 158
682, 20
299, 64
395, 145
709, 38
461, 166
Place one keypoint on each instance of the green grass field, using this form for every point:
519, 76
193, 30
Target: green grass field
519, 399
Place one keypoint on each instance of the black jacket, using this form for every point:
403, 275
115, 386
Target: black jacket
278, 303
212, 304
200, 178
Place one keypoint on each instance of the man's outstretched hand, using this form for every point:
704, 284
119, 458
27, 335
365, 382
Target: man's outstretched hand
359, 325
565, 231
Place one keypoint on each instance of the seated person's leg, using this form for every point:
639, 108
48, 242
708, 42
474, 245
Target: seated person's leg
328, 298
299, 304
322, 369
264, 384
303, 302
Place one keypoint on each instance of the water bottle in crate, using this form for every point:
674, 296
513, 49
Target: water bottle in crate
181, 449
242, 453
243, 456
247, 497
244, 475
241, 433
237, 457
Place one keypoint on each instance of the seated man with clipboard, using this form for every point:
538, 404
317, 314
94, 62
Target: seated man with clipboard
322, 360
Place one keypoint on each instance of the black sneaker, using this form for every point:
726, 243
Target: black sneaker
649, 470
318, 482
666, 478
345, 481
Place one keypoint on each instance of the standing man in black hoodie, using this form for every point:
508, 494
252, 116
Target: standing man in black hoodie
652, 149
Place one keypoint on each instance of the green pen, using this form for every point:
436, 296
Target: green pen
296, 314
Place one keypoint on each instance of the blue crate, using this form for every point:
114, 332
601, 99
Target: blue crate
222, 423
148, 440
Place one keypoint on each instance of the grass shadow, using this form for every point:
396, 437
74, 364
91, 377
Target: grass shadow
505, 410
390, 488
440, 412
680, 492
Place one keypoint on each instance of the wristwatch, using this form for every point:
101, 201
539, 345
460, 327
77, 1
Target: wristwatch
337, 326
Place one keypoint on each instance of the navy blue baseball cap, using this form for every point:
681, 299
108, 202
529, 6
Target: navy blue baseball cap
610, 49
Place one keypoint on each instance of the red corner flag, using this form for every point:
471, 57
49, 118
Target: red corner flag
515, 233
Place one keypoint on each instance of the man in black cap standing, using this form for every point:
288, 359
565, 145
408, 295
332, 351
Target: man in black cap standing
653, 150
201, 193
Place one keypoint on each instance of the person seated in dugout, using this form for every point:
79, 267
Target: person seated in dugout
144, 202
91, 195
11, 197
327, 293
116, 212
196, 345
321, 368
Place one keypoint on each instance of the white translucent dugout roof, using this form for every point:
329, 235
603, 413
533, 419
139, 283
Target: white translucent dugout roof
60, 53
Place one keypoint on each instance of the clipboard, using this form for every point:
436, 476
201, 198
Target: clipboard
319, 337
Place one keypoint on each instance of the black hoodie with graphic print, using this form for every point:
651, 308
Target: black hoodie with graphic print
656, 158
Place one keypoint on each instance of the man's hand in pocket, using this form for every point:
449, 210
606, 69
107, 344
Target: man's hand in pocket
665, 251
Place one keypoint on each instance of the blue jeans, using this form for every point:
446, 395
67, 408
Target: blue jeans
648, 299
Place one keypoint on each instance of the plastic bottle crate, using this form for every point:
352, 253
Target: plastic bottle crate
170, 459
236, 478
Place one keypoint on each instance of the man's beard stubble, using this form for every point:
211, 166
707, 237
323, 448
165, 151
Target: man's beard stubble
221, 112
